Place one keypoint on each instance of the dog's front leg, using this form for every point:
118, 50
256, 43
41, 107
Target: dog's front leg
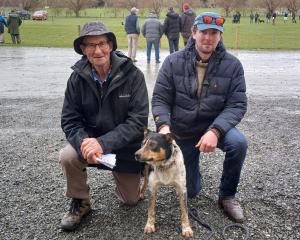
145, 183
185, 223
150, 225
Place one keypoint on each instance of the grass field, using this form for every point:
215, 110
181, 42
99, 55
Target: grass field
60, 31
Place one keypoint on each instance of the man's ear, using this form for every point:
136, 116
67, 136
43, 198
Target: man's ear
82, 47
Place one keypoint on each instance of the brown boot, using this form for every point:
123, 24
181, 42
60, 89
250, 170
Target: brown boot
233, 209
78, 208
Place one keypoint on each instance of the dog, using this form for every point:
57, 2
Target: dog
163, 155
261, 20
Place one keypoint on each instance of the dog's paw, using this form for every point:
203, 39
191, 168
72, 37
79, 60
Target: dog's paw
187, 232
149, 228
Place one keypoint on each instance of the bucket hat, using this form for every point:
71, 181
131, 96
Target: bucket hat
94, 29
203, 26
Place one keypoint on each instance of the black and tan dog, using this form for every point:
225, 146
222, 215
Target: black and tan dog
162, 154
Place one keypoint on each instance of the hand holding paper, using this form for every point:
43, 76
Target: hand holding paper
109, 160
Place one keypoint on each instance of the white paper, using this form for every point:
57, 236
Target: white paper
109, 160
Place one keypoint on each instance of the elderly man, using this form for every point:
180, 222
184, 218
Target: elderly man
200, 97
105, 111
132, 28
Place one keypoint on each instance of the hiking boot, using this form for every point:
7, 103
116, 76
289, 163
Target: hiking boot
233, 209
78, 208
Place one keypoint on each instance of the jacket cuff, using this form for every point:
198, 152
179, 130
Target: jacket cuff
161, 120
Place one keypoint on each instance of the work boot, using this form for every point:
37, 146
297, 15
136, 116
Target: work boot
78, 208
233, 209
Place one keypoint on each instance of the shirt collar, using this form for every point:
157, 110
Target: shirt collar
96, 77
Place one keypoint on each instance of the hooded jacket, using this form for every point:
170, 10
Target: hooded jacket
221, 105
187, 21
13, 23
172, 25
117, 119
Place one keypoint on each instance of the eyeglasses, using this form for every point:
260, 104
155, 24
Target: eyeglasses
209, 20
92, 46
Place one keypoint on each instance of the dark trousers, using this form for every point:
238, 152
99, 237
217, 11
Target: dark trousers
234, 144
173, 44
15, 38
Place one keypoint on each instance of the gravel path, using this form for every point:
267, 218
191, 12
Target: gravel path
32, 184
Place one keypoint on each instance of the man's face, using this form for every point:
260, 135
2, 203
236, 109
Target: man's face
97, 49
207, 40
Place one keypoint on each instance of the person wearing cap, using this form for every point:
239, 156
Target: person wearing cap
187, 19
172, 26
152, 30
200, 97
132, 28
105, 110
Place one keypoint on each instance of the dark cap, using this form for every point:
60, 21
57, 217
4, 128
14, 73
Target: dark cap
94, 29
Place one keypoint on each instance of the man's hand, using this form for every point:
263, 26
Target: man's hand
91, 150
164, 129
208, 142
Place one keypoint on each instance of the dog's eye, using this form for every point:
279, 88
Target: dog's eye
152, 145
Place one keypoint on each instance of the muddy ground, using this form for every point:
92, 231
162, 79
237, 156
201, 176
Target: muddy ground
32, 82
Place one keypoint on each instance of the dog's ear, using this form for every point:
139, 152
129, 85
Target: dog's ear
146, 131
168, 138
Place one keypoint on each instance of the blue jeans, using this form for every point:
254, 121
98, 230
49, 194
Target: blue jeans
156, 48
234, 144
173, 44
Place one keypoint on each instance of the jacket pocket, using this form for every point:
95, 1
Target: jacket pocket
219, 85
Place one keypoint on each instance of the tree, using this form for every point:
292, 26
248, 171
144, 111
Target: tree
77, 5
292, 5
270, 5
229, 5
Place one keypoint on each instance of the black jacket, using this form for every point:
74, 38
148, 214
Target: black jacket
116, 119
172, 25
222, 103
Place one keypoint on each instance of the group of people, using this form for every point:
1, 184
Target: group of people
13, 23
153, 30
199, 96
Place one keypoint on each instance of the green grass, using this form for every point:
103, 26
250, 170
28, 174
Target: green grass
61, 31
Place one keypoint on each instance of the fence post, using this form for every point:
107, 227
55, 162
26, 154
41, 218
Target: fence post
78, 29
237, 37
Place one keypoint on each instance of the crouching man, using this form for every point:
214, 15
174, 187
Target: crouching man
105, 110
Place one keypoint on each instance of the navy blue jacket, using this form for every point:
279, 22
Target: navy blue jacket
131, 24
223, 100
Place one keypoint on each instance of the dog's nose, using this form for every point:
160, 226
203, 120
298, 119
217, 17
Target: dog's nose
137, 156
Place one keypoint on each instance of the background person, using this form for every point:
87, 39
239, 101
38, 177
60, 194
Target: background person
172, 28
202, 105
13, 23
132, 28
105, 110
152, 30
2, 25
187, 19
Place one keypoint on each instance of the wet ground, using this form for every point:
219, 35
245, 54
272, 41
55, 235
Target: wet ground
32, 83
43, 72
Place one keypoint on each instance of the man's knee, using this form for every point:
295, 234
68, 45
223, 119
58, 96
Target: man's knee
236, 140
67, 155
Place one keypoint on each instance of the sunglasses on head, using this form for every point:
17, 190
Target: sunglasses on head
209, 20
